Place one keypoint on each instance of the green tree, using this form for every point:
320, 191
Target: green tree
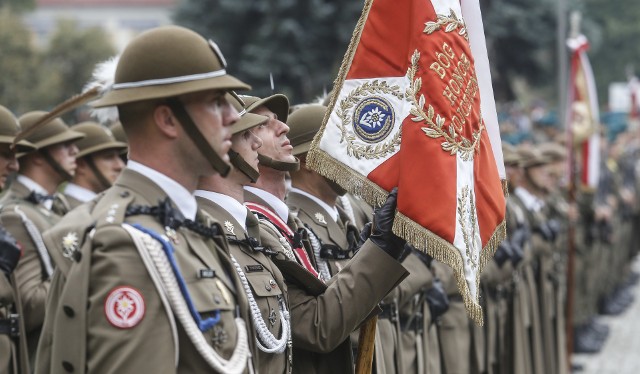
18, 5
300, 43
18, 63
614, 44
70, 59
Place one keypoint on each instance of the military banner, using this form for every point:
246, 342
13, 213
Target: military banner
413, 107
583, 112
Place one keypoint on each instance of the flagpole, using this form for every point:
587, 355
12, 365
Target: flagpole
571, 230
366, 344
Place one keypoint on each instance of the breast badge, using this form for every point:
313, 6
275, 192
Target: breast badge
320, 218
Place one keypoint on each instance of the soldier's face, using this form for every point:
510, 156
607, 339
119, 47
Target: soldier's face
65, 155
214, 116
273, 134
246, 144
8, 163
108, 163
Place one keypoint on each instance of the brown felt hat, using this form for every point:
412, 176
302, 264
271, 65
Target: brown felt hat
168, 61
55, 132
531, 157
510, 155
247, 120
553, 151
278, 104
97, 138
304, 124
9, 128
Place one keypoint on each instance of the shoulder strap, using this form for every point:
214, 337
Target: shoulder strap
300, 253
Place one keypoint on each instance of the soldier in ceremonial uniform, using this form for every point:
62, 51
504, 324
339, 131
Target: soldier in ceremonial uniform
98, 165
321, 318
313, 199
263, 283
144, 282
26, 214
13, 350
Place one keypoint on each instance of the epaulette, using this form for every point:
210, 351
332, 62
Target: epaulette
65, 239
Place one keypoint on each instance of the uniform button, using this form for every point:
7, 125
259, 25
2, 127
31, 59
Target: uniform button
217, 299
124, 194
267, 287
68, 311
273, 283
67, 366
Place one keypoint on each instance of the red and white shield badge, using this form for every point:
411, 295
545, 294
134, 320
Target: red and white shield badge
124, 307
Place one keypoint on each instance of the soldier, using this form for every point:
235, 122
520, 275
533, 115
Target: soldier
144, 281
313, 199
26, 213
98, 166
13, 352
262, 282
120, 136
321, 319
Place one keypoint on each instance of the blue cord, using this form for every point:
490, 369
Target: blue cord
203, 325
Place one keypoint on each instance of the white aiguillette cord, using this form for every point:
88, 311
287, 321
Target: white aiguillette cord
156, 261
271, 343
34, 233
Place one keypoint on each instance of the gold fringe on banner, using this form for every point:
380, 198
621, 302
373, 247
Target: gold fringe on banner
350, 180
505, 187
445, 252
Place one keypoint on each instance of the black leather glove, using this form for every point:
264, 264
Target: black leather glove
437, 299
381, 234
520, 236
517, 253
546, 232
503, 253
9, 252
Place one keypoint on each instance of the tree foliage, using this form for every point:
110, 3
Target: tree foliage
39, 78
300, 43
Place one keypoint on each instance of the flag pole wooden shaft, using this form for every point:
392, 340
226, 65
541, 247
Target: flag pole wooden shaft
366, 344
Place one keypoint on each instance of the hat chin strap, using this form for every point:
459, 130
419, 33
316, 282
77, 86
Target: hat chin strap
243, 166
279, 165
56, 166
94, 169
194, 133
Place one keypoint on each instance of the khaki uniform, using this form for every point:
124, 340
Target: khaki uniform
415, 335
32, 275
267, 284
526, 315
63, 204
454, 330
83, 333
327, 231
323, 315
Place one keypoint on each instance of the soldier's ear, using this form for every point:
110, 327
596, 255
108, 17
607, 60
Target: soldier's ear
165, 121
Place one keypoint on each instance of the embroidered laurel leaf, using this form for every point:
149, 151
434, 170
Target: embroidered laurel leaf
462, 31
450, 27
421, 101
452, 14
430, 132
439, 121
418, 85
417, 119
430, 27
430, 113
452, 132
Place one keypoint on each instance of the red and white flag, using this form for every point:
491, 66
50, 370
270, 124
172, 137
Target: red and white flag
584, 116
413, 107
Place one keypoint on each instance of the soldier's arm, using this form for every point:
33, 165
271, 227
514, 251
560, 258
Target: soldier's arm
144, 347
32, 283
320, 323
420, 277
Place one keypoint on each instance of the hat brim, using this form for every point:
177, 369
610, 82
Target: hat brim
131, 95
102, 147
278, 104
248, 121
64, 137
301, 148
22, 146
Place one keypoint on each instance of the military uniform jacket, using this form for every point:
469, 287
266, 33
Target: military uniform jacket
336, 238
323, 315
266, 283
64, 203
32, 275
106, 312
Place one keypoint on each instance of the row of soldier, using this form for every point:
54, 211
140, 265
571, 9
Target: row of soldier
180, 263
